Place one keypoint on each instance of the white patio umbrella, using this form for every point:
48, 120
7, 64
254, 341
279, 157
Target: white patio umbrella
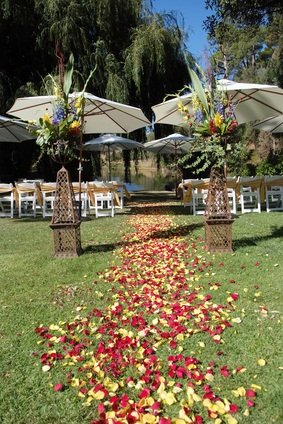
251, 102
168, 112
109, 142
100, 115
175, 144
273, 124
13, 131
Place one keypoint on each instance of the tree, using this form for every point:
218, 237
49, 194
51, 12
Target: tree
236, 50
155, 62
140, 56
247, 39
253, 12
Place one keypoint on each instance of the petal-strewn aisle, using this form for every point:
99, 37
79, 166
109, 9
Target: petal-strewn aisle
135, 360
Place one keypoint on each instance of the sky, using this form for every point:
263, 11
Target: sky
194, 13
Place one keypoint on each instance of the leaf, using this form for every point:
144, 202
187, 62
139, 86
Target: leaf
88, 79
68, 75
198, 88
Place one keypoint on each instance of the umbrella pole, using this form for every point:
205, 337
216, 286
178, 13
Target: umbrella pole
176, 170
109, 164
80, 168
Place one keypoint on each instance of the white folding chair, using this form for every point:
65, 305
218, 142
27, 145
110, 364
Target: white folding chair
274, 193
101, 199
199, 201
7, 200
27, 199
48, 196
250, 194
199, 192
119, 189
83, 197
104, 204
187, 195
231, 191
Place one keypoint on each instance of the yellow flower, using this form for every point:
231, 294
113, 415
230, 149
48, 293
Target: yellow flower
57, 91
46, 118
79, 102
75, 124
218, 119
79, 105
196, 103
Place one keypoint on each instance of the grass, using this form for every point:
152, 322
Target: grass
37, 288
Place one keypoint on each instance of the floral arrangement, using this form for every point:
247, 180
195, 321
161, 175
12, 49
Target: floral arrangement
212, 114
210, 119
59, 135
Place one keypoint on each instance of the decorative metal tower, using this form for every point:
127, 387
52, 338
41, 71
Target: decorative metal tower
218, 217
65, 221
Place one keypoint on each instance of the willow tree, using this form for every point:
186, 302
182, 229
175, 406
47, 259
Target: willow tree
155, 62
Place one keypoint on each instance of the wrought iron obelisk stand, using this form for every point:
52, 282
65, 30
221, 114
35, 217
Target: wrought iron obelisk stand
218, 217
65, 221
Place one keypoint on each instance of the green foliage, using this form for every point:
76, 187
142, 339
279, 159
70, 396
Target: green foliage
238, 160
68, 75
205, 153
270, 166
147, 53
155, 60
236, 48
253, 12
246, 49
200, 92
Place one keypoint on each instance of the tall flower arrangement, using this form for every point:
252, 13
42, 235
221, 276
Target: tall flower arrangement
211, 120
59, 134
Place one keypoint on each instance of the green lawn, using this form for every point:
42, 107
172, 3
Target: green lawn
39, 289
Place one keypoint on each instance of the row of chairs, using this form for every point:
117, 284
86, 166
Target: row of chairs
30, 198
247, 194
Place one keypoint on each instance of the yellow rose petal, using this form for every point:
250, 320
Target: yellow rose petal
261, 362
45, 368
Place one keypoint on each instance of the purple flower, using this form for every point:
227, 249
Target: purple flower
220, 108
59, 115
230, 111
199, 116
